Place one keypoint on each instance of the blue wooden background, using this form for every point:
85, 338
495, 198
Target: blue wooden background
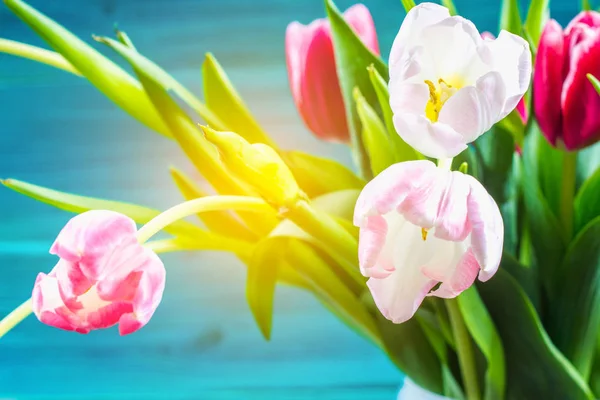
58, 131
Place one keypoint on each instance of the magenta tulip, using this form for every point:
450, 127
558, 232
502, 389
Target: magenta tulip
313, 76
566, 104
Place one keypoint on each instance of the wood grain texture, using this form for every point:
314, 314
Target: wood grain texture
58, 131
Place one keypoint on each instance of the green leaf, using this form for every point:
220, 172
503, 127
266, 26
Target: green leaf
535, 369
318, 175
221, 222
79, 204
408, 347
124, 38
526, 276
588, 161
261, 280
585, 5
537, 15
37, 54
200, 151
108, 77
587, 204
408, 4
402, 151
374, 136
352, 60
482, 329
574, 310
449, 4
165, 80
222, 99
594, 82
510, 17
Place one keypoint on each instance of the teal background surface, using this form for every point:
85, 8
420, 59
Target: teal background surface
57, 131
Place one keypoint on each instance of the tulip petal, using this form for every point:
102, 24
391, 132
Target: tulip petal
512, 59
383, 194
435, 140
360, 19
548, 81
463, 277
371, 238
90, 237
474, 109
419, 17
109, 315
580, 101
72, 281
452, 223
589, 18
487, 234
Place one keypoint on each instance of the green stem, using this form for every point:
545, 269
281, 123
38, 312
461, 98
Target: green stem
16, 316
464, 349
445, 163
37, 54
203, 204
567, 192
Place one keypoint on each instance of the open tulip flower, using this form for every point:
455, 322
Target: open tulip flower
447, 84
104, 277
566, 104
421, 225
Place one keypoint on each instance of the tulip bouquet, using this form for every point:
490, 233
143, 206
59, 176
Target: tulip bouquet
465, 244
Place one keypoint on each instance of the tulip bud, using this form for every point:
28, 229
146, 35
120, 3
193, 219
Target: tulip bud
566, 105
313, 76
258, 165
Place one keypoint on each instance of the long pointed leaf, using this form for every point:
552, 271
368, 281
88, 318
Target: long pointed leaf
37, 54
107, 76
222, 98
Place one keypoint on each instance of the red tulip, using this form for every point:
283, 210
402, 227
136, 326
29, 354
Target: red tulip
566, 104
312, 72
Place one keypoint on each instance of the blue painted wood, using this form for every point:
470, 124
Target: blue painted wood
57, 131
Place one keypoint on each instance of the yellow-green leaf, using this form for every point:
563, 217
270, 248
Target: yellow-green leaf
408, 4
223, 100
449, 4
318, 175
374, 136
107, 76
263, 268
595, 82
37, 54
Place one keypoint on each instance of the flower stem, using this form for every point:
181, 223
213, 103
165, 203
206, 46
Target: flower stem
464, 349
445, 163
567, 192
16, 316
203, 204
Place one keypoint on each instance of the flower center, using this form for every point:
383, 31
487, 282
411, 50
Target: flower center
438, 94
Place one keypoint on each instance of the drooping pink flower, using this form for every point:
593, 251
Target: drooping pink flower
313, 76
421, 225
566, 105
104, 277
447, 85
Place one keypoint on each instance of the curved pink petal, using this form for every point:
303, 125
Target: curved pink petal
452, 222
89, 238
109, 315
548, 80
463, 277
580, 101
360, 19
487, 229
384, 193
589, 18
371, 238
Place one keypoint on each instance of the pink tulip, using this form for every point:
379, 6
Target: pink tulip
312, 72
104, 277
565, 103
421, 225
